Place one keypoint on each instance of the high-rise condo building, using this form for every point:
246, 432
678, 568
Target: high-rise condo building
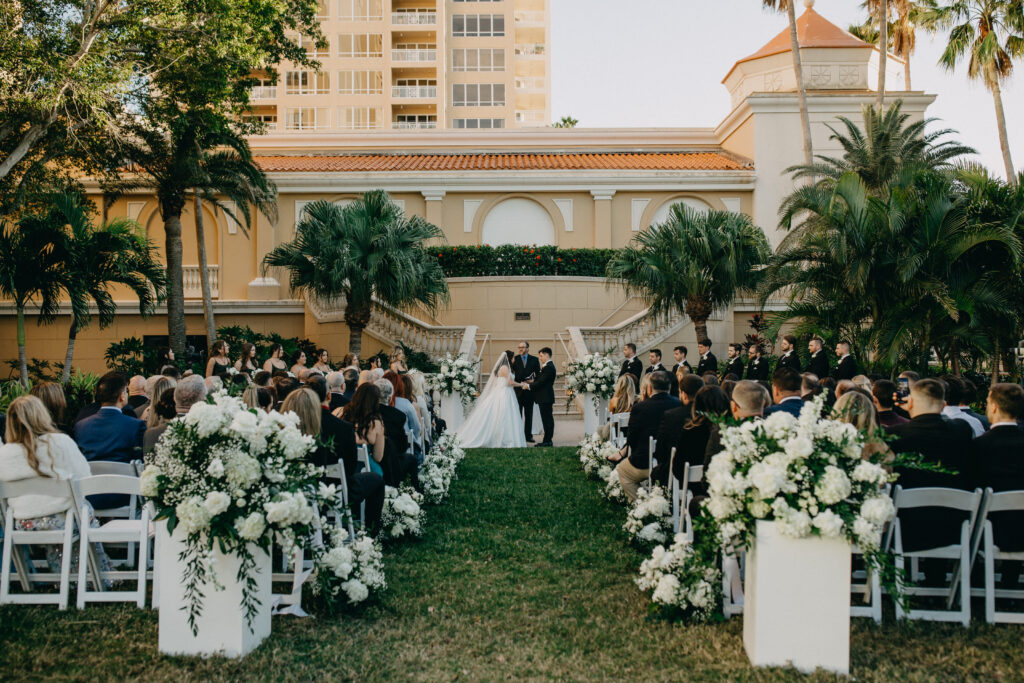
414, 64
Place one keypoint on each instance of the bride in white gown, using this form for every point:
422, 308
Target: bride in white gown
495, 421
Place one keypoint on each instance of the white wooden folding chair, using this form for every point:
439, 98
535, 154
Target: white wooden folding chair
732, 583
616, 434
674, 490
341, 510
129, 511
692, 474
866, 581
952, 499
129, 531
1004, 501
363, 458
652, 443
20, 567
13, 537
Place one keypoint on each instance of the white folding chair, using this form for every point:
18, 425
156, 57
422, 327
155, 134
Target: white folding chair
617, 423
129, 511
341, 510
1005, 501
652, 443
130, 531
363, 457
732, 583
951, 499
865, 580
674, 490
692, 474
13, 537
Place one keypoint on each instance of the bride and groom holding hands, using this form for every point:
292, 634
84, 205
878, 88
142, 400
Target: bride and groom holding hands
517, 382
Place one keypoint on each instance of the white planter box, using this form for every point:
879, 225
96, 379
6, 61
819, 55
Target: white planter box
797, 602
451, 411
222, 626
593, 417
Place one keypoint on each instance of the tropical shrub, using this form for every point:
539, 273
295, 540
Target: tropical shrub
513, 259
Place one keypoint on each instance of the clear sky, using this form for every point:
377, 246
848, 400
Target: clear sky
622, 63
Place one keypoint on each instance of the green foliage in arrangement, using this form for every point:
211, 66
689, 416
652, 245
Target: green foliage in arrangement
513, 259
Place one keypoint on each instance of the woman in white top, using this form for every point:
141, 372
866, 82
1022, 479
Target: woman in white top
419, 401
35, 449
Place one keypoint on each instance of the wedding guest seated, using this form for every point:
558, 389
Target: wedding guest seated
969, 395
883, 391
157, 390
363, 413
412, 420
170, 371
999, 464
137, 394
672, 431
955, 391
912, 378
111, 434
52, 396
634, 460
341, 437
214, 384
622, 401
728, 385
710, 379
94, 407
365, 377
262, 378
336, 389
843, 386
747, 403
810, 386
855, 408
161, 412
351, 382
416, 392
862, 382
396, 442
284, 385
189, 391
786, 387
645, 391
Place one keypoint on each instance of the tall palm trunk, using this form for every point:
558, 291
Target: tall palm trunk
70, 353
1004, 139
22, 362
955, 358
906, 72
698, 311
801, 93
995, 362
357, 317
883, 50
204, 272
175, 284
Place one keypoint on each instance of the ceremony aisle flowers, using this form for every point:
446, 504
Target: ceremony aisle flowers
593, 452
681, 585
227, 475
649, 521
350, 569
439, 468
457, 377
613, 486
403, 513
592, 374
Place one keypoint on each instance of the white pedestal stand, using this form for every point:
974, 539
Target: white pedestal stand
222, 627
451, 411
797, 602
593, 417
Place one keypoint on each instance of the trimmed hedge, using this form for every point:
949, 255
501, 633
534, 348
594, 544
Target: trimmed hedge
512, 259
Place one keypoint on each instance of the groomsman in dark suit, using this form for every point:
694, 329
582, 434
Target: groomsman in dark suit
734, 366
819, 363
655, 359
789, 357
632, 364
525, 367
999, 463
680, 355
757, 368
707, 362
543, 390
846, 367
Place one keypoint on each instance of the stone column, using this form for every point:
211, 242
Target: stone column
602, 218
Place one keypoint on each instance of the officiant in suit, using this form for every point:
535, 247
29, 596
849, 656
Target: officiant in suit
525, 367
542, 389
632, 365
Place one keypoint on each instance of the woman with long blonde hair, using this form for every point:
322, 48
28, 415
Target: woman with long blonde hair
857, 409
305, 404
624, 398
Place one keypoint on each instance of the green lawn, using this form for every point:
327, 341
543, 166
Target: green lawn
524, 573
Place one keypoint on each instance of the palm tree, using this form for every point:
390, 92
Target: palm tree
695, 262
902, 33
94, 258
367, 250
805, 119
30, 270
175, 161
990, 33
880, 10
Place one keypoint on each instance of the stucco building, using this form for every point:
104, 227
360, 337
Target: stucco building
568, 187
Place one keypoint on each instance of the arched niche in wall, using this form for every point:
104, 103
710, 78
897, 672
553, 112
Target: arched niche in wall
518, 220
662, 213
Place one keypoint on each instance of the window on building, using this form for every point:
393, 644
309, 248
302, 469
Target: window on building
306, 118
323, 9
306, 83
360, 83
310, 46
482, 59
478, 123
478, 25
361, 45
416, 121
359, 118
478, 94
362, 10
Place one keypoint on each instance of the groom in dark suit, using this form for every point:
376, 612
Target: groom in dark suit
543, 391
525, 367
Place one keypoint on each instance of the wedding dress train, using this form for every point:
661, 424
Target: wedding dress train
495, 421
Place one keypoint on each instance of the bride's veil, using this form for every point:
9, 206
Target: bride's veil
496, 382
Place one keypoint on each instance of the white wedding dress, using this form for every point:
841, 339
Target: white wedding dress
495, 421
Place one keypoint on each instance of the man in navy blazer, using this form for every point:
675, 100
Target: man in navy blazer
786, 386
110, 434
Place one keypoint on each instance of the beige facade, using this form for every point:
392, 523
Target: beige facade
566, 187
414, 65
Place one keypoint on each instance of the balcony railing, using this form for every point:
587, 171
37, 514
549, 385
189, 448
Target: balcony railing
414, 18
414, 91
530, 117
529, 18
263, 92
529, 50
193, 283
413, 125
401, 55
536, 83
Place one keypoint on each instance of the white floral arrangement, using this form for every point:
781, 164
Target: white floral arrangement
403, 513
350, 567
594, 452
239, 478
649, 522
680, 584
457, 377
439, 468
807, 474
613, 487
592, 374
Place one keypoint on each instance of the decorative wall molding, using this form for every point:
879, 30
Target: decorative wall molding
636, 212
565, 207
469, 209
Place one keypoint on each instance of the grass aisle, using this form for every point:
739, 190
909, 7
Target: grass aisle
522, 574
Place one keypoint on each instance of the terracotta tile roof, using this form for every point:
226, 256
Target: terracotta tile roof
567, 161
